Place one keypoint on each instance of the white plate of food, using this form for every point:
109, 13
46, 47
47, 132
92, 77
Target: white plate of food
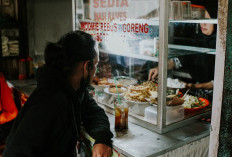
100, 87
126, 81
175, 83
113, 91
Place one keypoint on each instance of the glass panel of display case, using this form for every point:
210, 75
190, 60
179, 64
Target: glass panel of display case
128, 36
191, 60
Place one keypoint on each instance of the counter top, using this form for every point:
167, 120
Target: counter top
139, 141
143, 142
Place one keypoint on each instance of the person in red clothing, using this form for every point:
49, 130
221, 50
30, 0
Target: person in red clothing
8, 110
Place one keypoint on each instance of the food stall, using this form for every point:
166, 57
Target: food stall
136, 36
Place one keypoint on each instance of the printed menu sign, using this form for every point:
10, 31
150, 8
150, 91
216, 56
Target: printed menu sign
109, 16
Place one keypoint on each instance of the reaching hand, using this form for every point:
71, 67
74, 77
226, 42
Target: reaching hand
190, 85
153, 73
206, 85
101, 150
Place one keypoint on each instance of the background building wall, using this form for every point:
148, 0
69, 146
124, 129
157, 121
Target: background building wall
47, 21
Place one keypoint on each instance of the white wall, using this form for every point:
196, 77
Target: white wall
48, 20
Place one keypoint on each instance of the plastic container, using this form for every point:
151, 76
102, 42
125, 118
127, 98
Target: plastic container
198, 11
174, 114
137, 107
151, 114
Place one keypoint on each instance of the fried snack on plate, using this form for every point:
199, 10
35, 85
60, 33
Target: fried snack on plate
103, 81
151, 85
113, 90
137, 93
119, 85
137, 88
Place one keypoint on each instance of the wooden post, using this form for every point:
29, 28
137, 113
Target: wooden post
221, 128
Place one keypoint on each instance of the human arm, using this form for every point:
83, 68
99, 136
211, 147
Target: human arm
102, 150
97, 125
206, 85
153, 73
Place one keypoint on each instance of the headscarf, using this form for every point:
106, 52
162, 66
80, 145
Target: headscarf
210, 5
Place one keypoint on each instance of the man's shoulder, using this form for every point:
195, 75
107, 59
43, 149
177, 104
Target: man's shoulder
49, 97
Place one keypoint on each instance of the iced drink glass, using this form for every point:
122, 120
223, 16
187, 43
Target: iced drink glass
121, 116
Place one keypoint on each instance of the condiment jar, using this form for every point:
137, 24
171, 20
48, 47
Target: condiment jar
198, 11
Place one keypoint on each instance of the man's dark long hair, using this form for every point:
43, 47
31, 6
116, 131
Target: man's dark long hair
72, 48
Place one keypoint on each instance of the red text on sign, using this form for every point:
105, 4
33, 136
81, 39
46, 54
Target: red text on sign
109, 3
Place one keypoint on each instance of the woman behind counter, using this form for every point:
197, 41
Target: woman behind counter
200, 67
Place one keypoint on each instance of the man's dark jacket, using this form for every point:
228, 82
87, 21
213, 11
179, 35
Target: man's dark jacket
45, 125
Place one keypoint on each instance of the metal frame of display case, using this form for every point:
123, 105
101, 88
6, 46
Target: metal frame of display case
163, 23
162, 77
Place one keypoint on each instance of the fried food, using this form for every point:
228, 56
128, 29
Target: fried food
114, 90
100, 81
151, 85
119, 85
137, 93
175, 101
146, 92
137, 88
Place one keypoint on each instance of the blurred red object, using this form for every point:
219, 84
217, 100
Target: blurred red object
8, 109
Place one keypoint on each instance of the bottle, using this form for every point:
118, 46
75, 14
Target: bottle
22, 69
29, 67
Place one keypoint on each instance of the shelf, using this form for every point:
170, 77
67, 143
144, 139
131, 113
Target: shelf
211, 21
180, 50
9, 57
129, 54
173, 51
193, 49
155, 21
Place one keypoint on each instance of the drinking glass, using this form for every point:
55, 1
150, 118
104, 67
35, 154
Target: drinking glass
121, 116
175, 10
186, 9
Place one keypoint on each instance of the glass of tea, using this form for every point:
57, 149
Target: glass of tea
121, 116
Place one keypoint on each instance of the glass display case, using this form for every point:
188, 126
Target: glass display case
156, 40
